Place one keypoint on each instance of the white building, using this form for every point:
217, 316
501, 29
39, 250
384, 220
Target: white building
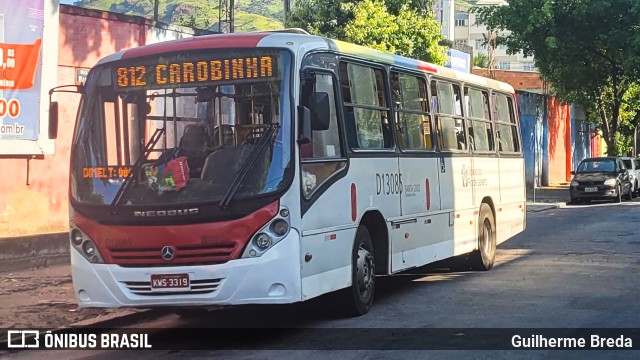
467, 31
444, 14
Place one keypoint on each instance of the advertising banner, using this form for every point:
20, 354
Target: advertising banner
21, 27
458, 60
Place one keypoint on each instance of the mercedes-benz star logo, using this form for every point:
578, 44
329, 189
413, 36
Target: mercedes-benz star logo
168, 252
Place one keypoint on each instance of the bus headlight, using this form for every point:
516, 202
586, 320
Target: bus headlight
263, 241
76, 237
89, 248
85, 246
280, 227
272, 233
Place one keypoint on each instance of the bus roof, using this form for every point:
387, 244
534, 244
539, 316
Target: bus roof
280, 37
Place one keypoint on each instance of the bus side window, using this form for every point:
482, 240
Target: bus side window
323, 155
449, 116
366, 112
412, 117
479, 124
504, 114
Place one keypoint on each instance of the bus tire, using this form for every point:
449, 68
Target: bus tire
484, 258
357, 298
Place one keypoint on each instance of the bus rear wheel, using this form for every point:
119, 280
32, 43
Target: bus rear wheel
484, 258
357, 298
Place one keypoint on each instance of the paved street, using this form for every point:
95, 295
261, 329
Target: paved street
574, 267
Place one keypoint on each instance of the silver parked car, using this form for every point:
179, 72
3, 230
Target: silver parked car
633, 169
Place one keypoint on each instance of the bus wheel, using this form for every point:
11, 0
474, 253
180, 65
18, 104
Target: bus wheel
483, 258
359, 296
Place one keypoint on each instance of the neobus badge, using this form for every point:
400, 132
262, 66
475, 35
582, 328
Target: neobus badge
193, 72
176, 212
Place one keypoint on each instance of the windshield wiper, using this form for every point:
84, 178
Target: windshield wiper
244, 169
136, 166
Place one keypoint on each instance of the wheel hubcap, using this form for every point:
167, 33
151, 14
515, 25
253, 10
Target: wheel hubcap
487, 233
364, 272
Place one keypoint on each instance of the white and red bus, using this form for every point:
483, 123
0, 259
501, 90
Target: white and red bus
274, 167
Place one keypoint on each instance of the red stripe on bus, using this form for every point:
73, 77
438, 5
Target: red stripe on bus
223, 41
354, 205
428, 190
212, 243
427, 67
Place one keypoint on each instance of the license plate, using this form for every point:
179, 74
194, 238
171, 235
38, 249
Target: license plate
170, 282
591, 189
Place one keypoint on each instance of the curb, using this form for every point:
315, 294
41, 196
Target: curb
539, 207
25, 252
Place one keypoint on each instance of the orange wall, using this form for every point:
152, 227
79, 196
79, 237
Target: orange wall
559, 125
85, 37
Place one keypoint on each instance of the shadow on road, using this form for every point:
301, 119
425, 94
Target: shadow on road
324, 309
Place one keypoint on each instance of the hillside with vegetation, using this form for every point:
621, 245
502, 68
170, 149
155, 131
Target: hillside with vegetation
250, 15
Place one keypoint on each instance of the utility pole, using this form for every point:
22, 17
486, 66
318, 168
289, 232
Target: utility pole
287, 9
226, 16
635, 141
155, 10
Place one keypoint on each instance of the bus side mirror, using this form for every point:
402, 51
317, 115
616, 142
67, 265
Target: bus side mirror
304, 116
53, 120
321, 111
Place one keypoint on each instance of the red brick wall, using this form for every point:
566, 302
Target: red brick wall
520, 80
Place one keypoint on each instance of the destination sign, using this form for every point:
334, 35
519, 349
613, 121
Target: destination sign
106, 172
172, 73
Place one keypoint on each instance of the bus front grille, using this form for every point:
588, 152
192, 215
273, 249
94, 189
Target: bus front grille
203, 286
183, 255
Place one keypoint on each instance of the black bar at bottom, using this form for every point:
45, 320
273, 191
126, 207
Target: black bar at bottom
324, 338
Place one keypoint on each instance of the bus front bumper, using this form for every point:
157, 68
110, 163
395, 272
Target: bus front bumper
273, 278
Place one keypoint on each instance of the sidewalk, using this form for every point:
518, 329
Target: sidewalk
44, 298
24, 252
546, 198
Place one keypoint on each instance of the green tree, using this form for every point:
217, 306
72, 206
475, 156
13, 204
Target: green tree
481, 60
587, 50
395, 26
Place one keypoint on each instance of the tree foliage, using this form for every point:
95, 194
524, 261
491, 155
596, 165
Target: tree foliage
587, 50
481, 60
403, 27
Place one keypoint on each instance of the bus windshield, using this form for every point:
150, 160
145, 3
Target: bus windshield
183, 128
